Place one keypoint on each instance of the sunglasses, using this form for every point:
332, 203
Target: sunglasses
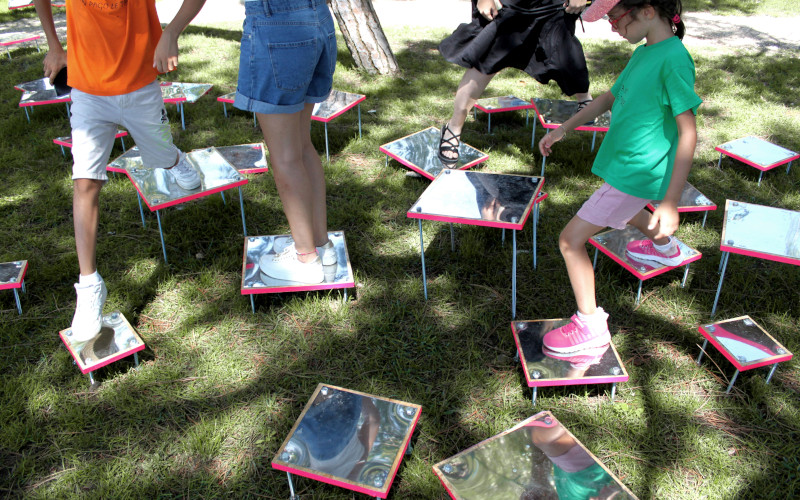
615, 21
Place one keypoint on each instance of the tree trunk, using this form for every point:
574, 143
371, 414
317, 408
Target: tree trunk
364, 36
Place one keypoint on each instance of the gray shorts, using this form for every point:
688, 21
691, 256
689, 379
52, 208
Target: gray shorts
95, 120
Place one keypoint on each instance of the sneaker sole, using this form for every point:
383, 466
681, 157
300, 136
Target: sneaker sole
651, 258
596, 342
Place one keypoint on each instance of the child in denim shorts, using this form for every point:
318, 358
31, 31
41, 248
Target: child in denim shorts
288, 55
116, 50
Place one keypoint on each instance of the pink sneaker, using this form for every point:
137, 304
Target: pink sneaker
644, 250
577, 335
579, 359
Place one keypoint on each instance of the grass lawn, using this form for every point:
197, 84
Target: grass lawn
220, 387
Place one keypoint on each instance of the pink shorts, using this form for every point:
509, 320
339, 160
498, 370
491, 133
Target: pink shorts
610, 207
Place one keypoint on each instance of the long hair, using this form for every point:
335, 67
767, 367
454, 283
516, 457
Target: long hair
667, 9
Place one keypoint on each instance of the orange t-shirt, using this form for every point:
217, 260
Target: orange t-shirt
110, 45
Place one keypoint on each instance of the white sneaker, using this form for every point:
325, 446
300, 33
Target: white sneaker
327, 252
185, 175
287, 267
88, 317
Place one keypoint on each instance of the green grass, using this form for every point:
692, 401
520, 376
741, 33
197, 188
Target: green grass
220, 387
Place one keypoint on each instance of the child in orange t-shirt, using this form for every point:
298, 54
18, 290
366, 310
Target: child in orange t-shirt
116, 51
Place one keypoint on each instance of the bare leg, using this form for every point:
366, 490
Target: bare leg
298, 177
472, 85
85, 213
640, 222
582, 96
572, 243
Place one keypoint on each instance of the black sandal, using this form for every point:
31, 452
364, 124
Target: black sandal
583, 104
448, 146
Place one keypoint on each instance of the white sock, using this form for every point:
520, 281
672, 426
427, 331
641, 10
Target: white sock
667, 248
591, 317
91, 279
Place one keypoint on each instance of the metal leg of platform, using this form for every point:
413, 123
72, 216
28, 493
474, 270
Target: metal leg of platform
23, 287
489, 121
514, 274
183, 119
252, 303
122, 142
544, 159
452, 239
719, 162
291, 487
26, 114
533, 397
241, 208
594, 137
788, 167
730, 386
16, 298
724, 264
68, 112
91, 379
224, 201
141, 211
613, 390
702, 351
161, 234
772, 372
225, 109
422, 256
136, 360
327, 152
705, 216
503, 238
639, 294
594, 261
527, 112
685, 275
359, 120
760, 175
535, 225
63, 153
8, 52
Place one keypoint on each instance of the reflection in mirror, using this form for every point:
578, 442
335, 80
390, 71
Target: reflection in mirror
761, 229
501, 103
556, 112
745, 340
537, 459
336, 102
246, 158
419, 152
544, 367
758, 151
614, 242
180, 92
691, 197
116, 339
349, 439
479, 195
11, 272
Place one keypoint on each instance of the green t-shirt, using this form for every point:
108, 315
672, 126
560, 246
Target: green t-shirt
638, 152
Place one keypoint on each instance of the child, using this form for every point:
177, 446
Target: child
535, 36
116, 50
646, 155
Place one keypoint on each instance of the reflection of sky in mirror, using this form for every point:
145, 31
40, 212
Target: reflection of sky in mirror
40, 91
503, 102
10, 272
514, 466
690, 197
572, 368
757, 228
335, 103
745, 340
420, 150
189, 91
351, 437
259, 246
478, 195
244, 156
557, 112
616, 240
758, 151
40, 84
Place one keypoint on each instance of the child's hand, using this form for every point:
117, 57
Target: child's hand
546, 143
666, 219
165, 58
487, 9
54, 61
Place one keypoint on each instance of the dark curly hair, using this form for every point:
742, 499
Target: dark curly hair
667, 9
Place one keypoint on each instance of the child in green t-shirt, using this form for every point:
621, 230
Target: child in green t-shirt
646, 155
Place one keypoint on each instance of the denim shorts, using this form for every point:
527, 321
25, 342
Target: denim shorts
288, 54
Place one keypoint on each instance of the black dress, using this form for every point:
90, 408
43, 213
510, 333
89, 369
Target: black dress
541, 44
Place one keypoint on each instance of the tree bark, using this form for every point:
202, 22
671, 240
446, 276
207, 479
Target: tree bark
364, 36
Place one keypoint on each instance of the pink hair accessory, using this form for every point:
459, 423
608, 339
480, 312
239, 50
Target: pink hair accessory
676, 19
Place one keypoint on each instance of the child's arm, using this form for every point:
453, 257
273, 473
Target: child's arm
56, 58
666, 215
595, 108
166, 54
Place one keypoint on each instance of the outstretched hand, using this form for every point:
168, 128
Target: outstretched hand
165, 58
488, 9
666, 219
550, 138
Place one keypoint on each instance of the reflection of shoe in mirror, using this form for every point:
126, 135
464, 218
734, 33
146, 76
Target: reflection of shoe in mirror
645, 250
184, 174
578, 334
326, 252
88, 317
579, 359
287, 267
449, 145
330, 272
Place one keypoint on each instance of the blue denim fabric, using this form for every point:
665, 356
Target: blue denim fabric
288, 54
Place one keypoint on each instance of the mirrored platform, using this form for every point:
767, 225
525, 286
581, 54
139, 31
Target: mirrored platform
543, 367
227, 98
760, 231
349, 439
175, 92
552, 113
613, 243
536, 459
40, 92
130, 158
478, 198
692, 200
66, 142
117, 339
246, 158
12, 274
501, 104
745, 343
337, 103
339, 275
757, 152
158, 188
419, 152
